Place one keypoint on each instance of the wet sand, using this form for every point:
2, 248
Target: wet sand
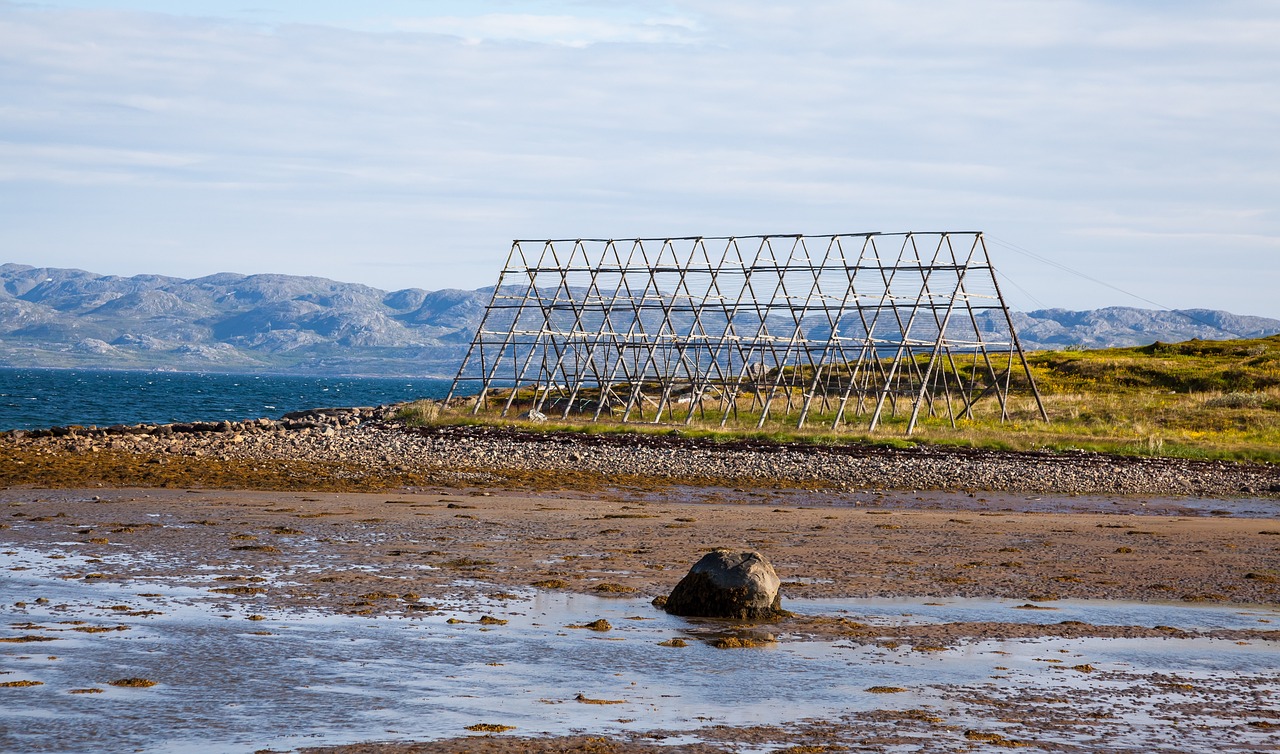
398, 554
371, 554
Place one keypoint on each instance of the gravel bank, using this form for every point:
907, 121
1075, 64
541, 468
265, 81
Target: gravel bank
369, 438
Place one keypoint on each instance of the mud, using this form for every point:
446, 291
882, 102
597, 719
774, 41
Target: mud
418, 616
365, 554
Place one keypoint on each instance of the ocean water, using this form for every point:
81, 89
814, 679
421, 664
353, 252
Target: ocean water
38, 398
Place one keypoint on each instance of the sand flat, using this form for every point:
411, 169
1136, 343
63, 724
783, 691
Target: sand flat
339, 546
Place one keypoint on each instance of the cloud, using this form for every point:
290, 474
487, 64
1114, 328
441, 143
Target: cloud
344, 145
572, 31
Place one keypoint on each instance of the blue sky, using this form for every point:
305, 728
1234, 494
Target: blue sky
405, 143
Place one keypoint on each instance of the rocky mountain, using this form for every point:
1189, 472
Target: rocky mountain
276, 323
1117, 326
229, 322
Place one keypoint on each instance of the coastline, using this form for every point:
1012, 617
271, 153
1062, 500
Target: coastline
366, 449
841, 521
347, 515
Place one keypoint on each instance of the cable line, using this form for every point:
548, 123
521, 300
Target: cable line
1090, 278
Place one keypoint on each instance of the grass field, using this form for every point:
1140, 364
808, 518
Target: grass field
1197, 399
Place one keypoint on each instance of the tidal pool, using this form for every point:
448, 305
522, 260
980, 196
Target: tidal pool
226, 682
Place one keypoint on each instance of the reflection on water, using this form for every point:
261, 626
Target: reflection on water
1099, 612
233, 684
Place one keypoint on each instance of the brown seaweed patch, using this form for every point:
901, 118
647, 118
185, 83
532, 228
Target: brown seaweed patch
490, 728
1204, 597
551, 584
742, 642
885, 690
467, 563
995, 739
596, 625
246, 590
20, 684
489, 620
673, 643
610, 587
132, 683
27, 639
85, 691
923, 716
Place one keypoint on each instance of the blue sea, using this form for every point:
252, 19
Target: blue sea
39, 398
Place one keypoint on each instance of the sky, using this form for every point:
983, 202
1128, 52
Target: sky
405, 143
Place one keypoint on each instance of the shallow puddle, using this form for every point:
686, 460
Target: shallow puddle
228, 682
992, 502
1099, 612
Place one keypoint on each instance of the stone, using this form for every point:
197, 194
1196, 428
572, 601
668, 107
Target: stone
728, 584
534, 416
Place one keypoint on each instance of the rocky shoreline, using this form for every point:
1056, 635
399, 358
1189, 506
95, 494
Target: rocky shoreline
431, 537
371, 441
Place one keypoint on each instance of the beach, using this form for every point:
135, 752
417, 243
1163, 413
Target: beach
642, 544
355, 517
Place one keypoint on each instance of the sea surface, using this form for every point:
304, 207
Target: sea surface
38, 398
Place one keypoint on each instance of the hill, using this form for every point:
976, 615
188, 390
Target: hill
271, 323
228, 322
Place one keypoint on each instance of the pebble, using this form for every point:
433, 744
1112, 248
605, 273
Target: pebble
371, 437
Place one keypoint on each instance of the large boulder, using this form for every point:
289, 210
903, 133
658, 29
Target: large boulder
728, 584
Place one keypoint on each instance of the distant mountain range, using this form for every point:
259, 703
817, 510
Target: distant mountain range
53, 317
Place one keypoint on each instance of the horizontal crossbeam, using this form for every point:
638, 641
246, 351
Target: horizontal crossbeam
845, 326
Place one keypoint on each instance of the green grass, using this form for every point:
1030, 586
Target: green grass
1199, 399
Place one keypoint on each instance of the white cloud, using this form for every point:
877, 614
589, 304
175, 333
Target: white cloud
345, 145
572, 31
